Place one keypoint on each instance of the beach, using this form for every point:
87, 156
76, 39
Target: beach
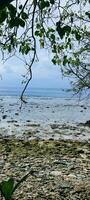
51, 137
45, 118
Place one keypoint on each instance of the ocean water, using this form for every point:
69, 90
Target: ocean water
36, 92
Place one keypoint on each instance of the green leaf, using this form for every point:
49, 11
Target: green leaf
38, 26
24, 15
54, 48
88, 14
51, 30
41, 43
67, 29
21, 22
54, 61
9, 48
59, 29
65, 60
6, 188
52, 1
44, 4
16, 22
77, 35
22, 180
24, 48
47, 4
20, 7
39, 33
53, 37
62, 30
12, 10
3, 15
1, 32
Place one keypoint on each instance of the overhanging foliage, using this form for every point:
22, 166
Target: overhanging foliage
62, 27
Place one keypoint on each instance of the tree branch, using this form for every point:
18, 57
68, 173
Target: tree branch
34, 54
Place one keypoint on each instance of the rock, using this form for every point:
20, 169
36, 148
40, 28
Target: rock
11, 104
72, 176
4, 116
28, 121
12, 121
84, 108
17, 125
16, 113
53, 111
81, 106
54, 126
87, 123
79, 188
51, 139
56, 173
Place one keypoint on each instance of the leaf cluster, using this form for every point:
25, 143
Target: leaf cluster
56, 26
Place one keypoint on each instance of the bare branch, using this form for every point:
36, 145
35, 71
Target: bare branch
34, 53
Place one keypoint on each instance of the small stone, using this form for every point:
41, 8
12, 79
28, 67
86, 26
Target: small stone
16, 113
56, 173
79, 188
4, 116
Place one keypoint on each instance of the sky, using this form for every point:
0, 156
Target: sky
45, 74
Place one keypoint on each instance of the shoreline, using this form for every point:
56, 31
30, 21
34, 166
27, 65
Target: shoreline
44, 119
53, 131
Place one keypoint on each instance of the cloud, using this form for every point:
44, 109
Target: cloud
44, 68
45, 74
